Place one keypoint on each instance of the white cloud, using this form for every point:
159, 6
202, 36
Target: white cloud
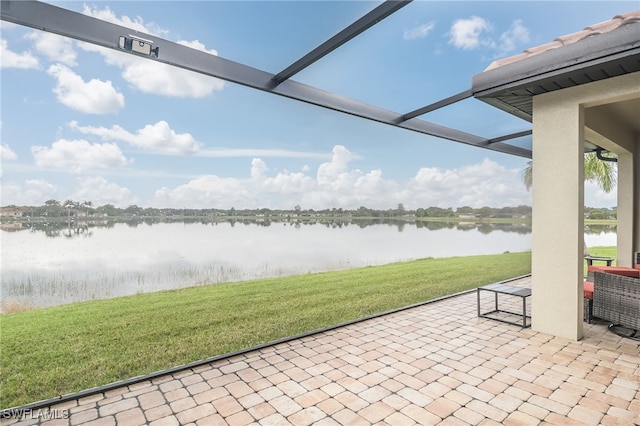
150, 76
421, 31
287, 183
92, 97
162, 79
101, 192
516, 35
475, 32
336, 184
336, 170
107, 14
33, 192
256, 152
78, 156
6, 153
161, 138
258, 168
6, 26
485, 184
10, 59
56, 48
207, 191
468, 34
158, 137
355, 189
594, 196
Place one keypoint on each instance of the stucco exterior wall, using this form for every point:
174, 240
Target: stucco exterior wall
636, 205
559, 130
558, 219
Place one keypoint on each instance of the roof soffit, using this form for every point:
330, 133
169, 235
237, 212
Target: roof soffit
511, 86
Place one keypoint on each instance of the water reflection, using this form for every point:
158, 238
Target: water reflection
600, 229
45, 264
83, 228
600, 235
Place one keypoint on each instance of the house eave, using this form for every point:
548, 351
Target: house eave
512, 86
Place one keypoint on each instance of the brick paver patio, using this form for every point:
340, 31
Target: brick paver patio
428, 365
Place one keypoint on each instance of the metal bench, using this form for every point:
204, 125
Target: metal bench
591, 259
509, 290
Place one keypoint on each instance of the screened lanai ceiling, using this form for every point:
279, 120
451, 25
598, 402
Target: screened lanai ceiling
314, 47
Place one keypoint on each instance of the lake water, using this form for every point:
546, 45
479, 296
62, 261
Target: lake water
46, 266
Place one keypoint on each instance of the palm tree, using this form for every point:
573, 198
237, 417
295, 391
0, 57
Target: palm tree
52, 207
69, 204
595, 170
602, 172
88, 205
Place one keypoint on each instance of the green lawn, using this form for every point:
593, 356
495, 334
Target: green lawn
54, 351
602, 252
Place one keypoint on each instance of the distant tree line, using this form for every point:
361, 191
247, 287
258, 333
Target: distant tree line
601, 213
70, 208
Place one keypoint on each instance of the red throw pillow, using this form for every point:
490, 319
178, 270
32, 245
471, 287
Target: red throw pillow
618, 270
588, 290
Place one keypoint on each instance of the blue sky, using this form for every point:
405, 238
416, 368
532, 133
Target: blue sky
83, 123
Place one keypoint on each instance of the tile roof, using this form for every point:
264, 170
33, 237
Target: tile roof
590, 31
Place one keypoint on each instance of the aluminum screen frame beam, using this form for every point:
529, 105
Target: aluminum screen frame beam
46, 17
437, 105
370, 19
511, 136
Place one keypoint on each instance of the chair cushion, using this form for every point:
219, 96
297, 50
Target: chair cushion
588, 290
618, 270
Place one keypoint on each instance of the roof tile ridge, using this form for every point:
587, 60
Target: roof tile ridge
630, 20
590, 31
606, 26
634, 15
509, 59
543, 47
573, 37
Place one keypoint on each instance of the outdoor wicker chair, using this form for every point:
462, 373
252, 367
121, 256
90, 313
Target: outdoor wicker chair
616, 298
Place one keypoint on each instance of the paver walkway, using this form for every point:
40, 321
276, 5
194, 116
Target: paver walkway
433, 364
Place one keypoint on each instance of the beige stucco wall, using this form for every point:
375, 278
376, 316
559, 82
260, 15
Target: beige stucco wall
627, 211
636, 205
559, 120
606, 130
558, 223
